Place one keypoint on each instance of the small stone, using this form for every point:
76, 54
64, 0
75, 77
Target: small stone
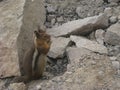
118, 57
17, 86
113, 58
69, 80
68, 72
113, 19
116, 64
101, 73
38, 87
78, 10
60, 19
118, 72
112, 36
99, 35
51, 9
92, 36
58, 47
93, 62
53, 21
108, 11
50, 18
119, 17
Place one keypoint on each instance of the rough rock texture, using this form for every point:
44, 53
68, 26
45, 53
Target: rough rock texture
71, 10
17, 86
75, 54
34, 15
108, 11
10, 22
88, 44
58, 47
115, 1
81, 27
88, 71
112, 36
16, 18
99, 35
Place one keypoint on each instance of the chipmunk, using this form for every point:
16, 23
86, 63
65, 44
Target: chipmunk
34, 60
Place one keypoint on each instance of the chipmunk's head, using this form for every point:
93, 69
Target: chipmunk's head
42, 41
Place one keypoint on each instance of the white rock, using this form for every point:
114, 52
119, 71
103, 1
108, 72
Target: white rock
17, 86
99, 35
113, 19
82, 26
113, 58
38, 87
58, 47
79, 11
75, 53
116, 64
60, 19
112, 36
53, 21
119, 17
88, 44
51, 9
108, 11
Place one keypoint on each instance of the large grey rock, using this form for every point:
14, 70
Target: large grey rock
112, 36
88, 44
82, 26
10, 23
18, 18
58, 47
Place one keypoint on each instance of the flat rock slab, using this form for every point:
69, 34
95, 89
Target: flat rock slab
88, 44
112, 36
58, 47
74, 54
81, 27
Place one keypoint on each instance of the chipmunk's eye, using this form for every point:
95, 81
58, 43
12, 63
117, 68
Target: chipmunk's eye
48, 41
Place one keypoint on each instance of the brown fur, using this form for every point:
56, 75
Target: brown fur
36, 55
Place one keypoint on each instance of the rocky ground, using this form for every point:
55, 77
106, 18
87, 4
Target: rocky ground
85, 50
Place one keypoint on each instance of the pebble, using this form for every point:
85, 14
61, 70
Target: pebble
38, 87
113, 58
118, 72
69, 80
108, 11
60, 19
113, 19
51, 9
116, 64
